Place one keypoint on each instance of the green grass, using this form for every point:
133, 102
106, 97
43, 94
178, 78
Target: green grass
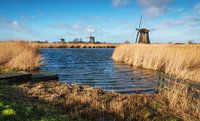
15, 106
7, 70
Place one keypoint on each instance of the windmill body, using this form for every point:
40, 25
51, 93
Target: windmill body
143, 35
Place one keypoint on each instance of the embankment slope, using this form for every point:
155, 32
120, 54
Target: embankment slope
181, 60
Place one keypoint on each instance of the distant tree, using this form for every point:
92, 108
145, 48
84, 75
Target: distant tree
97, 42
127, 42
76, 40
170, 42
190, 42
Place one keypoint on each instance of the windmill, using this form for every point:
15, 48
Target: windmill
142, 33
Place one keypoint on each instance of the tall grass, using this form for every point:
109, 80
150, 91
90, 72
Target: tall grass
19, 55
97, 105
73, 45
182, 61
179, 100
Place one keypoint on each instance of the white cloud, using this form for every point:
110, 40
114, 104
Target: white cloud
190, 22
90, 30
120, 3
26, 18
174, 23
78, 27
15, 23
14, 26
154, 8
197, 8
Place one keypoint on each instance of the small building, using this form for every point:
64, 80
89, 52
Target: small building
91, 39
62, 40
143, 35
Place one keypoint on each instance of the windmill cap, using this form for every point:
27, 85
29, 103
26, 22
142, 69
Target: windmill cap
143, 30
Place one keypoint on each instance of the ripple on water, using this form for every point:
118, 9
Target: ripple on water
95, 67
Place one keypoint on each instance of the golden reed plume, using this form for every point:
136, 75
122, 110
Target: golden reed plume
19, 55
181, 60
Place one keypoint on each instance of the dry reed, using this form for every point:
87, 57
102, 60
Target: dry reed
19, 55
98, 105
182, 61
179, 100
73, 45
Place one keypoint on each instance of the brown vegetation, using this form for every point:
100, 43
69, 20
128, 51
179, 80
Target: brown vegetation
178, 99
19, 55
97, 105
183, 61
73, 45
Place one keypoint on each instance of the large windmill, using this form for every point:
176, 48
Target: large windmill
142, 33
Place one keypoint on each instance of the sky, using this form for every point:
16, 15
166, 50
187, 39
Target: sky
108, 20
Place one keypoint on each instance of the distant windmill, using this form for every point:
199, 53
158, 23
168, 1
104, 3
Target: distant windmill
62, 40
142, 33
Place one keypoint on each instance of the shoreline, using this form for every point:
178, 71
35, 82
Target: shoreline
73, 45
181, 61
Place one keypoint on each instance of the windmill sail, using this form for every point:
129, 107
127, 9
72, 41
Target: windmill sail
138, 29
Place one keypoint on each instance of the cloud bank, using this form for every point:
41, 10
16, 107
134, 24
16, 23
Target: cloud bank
154, 8
120, 3
14, 26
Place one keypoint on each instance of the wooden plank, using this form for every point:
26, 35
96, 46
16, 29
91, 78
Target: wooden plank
165, 77
44, 76
16, 77
23, 77
194, 85
167, 82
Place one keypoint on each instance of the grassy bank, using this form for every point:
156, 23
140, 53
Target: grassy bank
94, 104
73, 45
56, 101
17, 106
182, 61
19, 56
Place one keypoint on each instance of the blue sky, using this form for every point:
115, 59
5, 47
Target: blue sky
107, 20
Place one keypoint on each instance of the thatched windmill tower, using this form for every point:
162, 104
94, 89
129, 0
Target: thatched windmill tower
143, 34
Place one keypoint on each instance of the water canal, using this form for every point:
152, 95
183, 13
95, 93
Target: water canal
96, 68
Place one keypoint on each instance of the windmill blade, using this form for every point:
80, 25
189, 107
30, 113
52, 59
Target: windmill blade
137, 37
140, 22
138, 29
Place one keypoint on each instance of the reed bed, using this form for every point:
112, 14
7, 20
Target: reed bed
182, 61
19, 55
73, 45
179, 100
97, 105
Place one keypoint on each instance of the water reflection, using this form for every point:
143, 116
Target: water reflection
96, 68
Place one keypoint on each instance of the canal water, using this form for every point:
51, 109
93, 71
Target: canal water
96, 68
